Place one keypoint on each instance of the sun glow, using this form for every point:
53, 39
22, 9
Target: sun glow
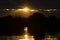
24, 12
26, 9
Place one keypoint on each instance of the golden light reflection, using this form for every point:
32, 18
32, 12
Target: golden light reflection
26, 35
49, 37
26, 29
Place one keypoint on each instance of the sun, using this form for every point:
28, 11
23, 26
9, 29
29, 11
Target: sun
26, 9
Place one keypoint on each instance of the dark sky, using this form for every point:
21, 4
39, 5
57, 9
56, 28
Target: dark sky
35, 3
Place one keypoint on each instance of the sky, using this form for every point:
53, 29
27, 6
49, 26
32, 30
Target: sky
35, 3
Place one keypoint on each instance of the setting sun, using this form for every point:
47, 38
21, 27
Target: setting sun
26, 9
